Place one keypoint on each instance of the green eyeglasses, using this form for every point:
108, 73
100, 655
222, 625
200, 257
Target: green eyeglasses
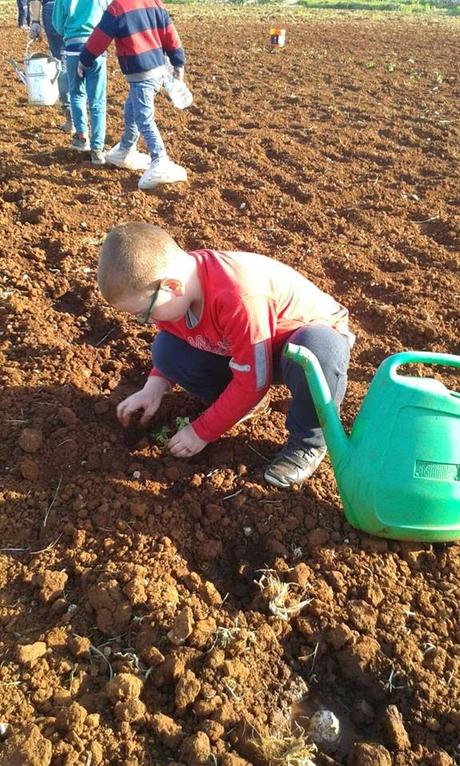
144, 318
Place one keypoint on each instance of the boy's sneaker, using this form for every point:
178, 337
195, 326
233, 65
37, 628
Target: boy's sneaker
98, 157
293, 465
80, 142
67, 125
164, 171
130, 158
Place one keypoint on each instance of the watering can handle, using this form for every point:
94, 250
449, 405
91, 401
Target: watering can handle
28, 44
390, 365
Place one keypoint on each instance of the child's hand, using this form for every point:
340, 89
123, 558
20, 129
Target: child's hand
186, 443
80, 70
35, 30
148, 400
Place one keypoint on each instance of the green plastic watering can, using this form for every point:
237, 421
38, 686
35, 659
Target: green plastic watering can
398, 472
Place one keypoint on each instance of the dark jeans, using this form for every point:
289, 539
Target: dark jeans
23, 12
206, 375
56, 46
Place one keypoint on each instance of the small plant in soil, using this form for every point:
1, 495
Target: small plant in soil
280, 596
286, 747
161, 437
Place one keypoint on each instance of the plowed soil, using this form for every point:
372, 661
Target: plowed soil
339, 156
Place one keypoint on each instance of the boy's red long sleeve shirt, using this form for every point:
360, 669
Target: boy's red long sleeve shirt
251, 304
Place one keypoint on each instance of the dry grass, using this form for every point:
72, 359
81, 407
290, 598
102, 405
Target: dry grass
286, 748
282, 599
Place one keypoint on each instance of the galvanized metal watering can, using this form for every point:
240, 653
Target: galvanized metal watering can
40, 76
398, 472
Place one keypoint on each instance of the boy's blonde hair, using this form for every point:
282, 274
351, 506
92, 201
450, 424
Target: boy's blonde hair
133, 257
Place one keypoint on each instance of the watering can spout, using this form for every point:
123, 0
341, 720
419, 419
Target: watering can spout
334, 434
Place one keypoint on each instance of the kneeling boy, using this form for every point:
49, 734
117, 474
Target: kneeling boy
224, 319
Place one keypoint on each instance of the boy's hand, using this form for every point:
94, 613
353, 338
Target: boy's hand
35, 30
80, 70
186, 443
148, 400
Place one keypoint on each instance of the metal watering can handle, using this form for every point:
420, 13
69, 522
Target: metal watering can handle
389, 366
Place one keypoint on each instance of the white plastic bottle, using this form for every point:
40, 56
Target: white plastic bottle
176, 89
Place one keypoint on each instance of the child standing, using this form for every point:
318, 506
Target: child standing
56, 46
23, 14
143, 33
74, 20
224, 320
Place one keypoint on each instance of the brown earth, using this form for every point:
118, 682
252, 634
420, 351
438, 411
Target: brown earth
339, 156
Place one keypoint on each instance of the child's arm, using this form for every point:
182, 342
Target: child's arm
100, 38
170, 40
248, 326
60, 13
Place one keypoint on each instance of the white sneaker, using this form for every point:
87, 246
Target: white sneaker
130, 158
164, 171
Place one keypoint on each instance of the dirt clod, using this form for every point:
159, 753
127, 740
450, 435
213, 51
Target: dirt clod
28, 653
366, 754
196, 749
396, 732
26, 747
50, 584
124, 686
30, 440
182, 627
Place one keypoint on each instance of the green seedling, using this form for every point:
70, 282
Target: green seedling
161, 437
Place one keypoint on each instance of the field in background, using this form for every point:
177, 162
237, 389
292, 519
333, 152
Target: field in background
339, 156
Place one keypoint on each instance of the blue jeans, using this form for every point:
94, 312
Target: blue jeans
92, 89
206, 375
23, 12
140, 117
56, 46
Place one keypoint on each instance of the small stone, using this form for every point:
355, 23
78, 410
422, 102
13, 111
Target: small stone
324, 727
